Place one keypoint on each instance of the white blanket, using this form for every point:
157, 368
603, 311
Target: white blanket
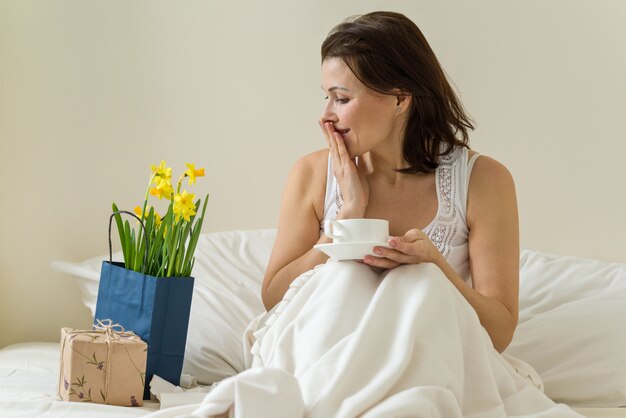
347, 342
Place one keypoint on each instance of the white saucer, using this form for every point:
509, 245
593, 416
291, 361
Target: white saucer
350, 250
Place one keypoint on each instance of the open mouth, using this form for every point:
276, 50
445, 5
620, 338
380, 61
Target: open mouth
342, 132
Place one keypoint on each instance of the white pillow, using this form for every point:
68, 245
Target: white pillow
572, 327
228, 273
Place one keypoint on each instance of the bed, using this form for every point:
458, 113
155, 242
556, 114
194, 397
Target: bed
571, 329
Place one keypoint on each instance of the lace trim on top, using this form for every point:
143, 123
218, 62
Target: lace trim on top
338, 199
443, 228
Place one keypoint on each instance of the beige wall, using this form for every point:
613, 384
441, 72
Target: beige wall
92, 93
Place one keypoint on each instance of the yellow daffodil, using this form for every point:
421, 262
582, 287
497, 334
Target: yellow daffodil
192, 173
137, 211
162, 191
184, 206
157, 217
162, 175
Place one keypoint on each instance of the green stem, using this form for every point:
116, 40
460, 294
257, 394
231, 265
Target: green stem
141, 236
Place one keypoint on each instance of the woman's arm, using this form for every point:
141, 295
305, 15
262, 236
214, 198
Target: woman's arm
302, 210
298, 228
492, 219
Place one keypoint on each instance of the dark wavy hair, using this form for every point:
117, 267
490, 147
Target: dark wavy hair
387, 52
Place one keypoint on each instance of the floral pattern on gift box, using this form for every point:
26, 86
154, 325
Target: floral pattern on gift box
79, 389
93, 337
93, 360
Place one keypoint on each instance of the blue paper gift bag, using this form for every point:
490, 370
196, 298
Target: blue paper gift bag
156, 309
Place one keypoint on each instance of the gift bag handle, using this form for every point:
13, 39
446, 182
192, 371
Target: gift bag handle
145, 256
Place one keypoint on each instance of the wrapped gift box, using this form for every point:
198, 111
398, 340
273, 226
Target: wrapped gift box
105, 365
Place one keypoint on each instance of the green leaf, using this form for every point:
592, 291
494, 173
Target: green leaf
149, 239
193, 240
140, 257
150, 222
133, 255
157, 251
152, 256
180, 253
138, 253
161, 270
169, 243
188, 272
128, 260
171, 250
142, 241
120, 230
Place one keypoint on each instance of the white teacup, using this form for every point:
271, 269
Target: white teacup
357, 230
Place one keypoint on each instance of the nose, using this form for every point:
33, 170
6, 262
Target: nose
328, 114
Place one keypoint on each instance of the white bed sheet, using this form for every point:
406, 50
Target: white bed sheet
562, 301
28, 388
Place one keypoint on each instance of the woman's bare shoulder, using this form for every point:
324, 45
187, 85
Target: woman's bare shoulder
488, 169
307, 179
310, 169
313, 161
491, 187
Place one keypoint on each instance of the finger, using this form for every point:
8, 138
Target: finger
329, 130
380, 262
336, 158
413, 235
415, 252
341, 148
395, 255
407, 248
332, 143
324, 126
321, 124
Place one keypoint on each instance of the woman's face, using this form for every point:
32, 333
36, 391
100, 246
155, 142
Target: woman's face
366, 119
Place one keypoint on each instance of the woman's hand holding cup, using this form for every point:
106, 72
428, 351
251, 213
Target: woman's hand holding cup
414, 247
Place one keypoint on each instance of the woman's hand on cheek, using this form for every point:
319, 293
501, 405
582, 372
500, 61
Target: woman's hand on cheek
413, 248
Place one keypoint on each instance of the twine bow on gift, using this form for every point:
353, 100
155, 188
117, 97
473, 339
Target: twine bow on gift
111, 330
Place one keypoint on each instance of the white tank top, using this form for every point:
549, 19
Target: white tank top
448, 230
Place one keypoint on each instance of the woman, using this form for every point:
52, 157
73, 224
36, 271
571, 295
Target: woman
398, 334
390, 107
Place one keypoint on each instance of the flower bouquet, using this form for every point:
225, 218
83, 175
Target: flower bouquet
166, 247
150, 292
